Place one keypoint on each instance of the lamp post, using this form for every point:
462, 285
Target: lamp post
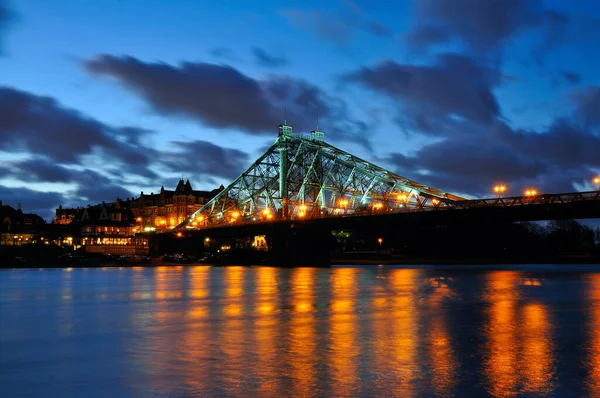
499, 189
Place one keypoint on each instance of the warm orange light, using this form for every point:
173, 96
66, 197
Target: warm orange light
200, 218
301, 214
235, 214
269, 216
597, 180
179, 234
343, 202
139, 219
435, 201
499, 188
530, 192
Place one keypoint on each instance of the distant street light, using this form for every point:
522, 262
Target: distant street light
380, 240
499, 189
597, 181
530, 192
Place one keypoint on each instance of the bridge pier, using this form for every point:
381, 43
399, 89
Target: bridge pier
309, 247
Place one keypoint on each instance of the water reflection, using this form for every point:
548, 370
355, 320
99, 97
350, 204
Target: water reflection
343, 347
262, 331
501, 365
520, 351
267, 333
442, 355
593, 351
302, 337
537, 362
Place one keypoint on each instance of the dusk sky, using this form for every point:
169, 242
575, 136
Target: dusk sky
100, 99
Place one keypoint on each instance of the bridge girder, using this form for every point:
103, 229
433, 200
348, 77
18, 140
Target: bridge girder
320, 180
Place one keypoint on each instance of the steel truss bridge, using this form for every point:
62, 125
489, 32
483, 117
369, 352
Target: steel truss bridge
302, 178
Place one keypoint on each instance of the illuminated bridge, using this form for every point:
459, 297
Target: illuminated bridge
302, 196
302, 180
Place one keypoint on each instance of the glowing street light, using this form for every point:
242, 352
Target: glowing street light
530, 192
597, 181
499, 189
302, 211
380, 240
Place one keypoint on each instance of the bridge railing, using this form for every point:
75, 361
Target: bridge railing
514, 201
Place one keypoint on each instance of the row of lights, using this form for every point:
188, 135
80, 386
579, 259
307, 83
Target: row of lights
500, 189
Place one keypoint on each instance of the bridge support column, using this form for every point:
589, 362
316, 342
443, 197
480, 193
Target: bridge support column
283, 170
302, 247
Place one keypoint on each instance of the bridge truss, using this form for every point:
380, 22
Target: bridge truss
301, 176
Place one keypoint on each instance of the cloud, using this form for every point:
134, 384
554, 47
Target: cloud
93, 187
587, 102
224, 53
433, 97
41, 170
41, 203
40, 125
571, 77
481, 26
553, 160
268, 60
222, 97
61, 145
203, 158
337, 28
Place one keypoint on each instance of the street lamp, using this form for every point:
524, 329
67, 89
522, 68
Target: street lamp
530, 192
380, 240
499, 189
597, 181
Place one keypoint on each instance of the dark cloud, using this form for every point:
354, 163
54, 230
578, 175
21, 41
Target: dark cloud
61, 144
42, 126
424, 36
587, 101
571, 77
41, 203
221, 96
205, 158
225, 54
218, 95
433, 97
41, 170
93, 187
338, 28
482, 26
268, 60
552, 161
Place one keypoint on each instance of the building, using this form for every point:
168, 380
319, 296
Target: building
163, 211
108, 228
18, 228
64, 216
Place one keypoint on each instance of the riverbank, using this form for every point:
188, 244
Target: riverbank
374, 259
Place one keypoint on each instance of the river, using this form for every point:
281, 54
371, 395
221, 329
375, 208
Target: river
277, 332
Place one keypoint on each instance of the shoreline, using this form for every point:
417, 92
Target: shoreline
345, 261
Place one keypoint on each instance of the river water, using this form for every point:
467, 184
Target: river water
273, 332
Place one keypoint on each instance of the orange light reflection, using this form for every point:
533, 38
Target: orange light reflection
342, 331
